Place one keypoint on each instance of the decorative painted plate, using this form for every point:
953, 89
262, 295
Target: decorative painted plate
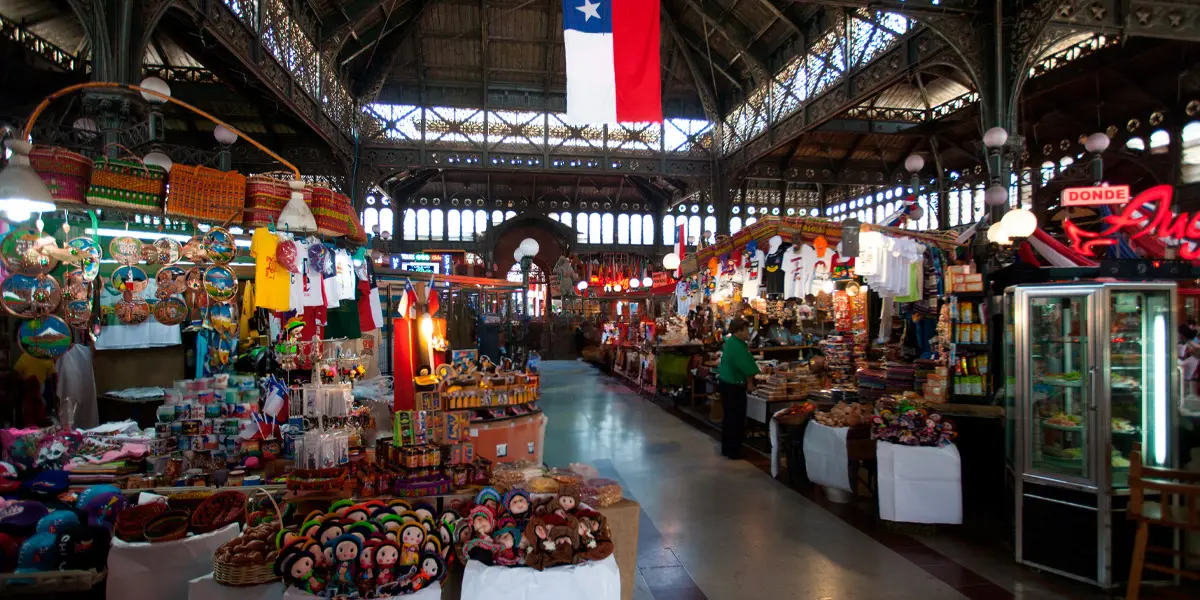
75, 286
129, 277
126, 250
220, 283
197, 300
169, 251
90, 254
220, 246
132, 312
170, 311
21, 252
45, 337
195, 251
28, 297
223, 317
77, 313
171, 280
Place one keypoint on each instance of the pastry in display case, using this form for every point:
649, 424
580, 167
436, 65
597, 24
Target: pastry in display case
1091, 372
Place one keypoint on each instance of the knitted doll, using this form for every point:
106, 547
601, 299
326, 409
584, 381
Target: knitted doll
386, 557
517, 503
366, 567
298, 569
431, 570
490, 498
539, 545
411, 536
565, 504
508, 543
346, 549
565, 540
594, 536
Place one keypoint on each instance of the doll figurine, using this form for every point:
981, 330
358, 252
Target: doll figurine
299, 571
433, 545
430, 570
482, 521
538, 545
386, 557
508, 543
595, 539
565, 541
490, 498
328, 531
517, 503
366, 567
565, 505
411, 536
346, 550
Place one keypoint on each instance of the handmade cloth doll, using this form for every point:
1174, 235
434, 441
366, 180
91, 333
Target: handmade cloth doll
433, 544
537, 536
517, 503
328, 531
508, 543
386, 557
594, 536
412, 535
366, 567
565, 505
565, 540
431, 570
490, 498
298, 570
346, 549
482, 521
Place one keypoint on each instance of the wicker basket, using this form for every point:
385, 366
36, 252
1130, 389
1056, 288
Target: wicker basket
44, 583
131, 522
66, 173
168, 527
324, 207
127, 184
227, 573
198, 192
266, 195
189, 500
218, 510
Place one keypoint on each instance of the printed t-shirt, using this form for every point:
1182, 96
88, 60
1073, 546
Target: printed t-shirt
270, 277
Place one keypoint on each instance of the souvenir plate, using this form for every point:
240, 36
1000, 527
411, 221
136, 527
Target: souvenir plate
220, 283
130, 278
90, 254
74, 285
77, 313
28, 297
194, 250
219, 244
171, 280
46, 337
21, 252
132, 312
197, 300
170, 311
169, 251
223, 318
126, 250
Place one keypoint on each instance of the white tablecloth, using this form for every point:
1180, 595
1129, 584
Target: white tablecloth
825, 457
919, 484
433, 592
205, 588
150, 334
589, 581
145, 571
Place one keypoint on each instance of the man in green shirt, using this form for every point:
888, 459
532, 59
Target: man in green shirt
735, 375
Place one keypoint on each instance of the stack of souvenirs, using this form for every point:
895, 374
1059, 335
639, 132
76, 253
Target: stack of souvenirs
787, 381
907, 420
839, 353
209, 414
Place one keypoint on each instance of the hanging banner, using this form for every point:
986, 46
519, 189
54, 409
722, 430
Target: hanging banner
1095, 196
1151, 213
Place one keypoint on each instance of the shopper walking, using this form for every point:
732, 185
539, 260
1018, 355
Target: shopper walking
735, 375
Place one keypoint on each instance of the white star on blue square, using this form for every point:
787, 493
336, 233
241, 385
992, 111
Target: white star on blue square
588, 16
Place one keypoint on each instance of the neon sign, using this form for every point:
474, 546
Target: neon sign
1149, 213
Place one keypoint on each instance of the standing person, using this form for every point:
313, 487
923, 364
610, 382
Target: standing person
736, 375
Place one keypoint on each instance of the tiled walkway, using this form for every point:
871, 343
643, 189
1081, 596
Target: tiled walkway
720, 529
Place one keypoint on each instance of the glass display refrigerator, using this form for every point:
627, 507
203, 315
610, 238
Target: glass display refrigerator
1091, 371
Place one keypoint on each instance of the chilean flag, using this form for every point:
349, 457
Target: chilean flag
407, 308
613, 65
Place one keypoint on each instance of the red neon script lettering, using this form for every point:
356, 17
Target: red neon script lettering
1137, 219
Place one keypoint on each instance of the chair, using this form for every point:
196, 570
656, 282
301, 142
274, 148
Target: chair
1177, 507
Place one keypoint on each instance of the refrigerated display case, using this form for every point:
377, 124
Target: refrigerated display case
1092, 371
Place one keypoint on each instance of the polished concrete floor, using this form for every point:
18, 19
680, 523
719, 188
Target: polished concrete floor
720, 529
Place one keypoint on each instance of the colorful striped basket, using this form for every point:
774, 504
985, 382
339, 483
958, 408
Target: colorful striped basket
66, 173
198, 192
266, 195
127, 184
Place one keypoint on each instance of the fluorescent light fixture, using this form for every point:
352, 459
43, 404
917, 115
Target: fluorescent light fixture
1160, 389
152, 235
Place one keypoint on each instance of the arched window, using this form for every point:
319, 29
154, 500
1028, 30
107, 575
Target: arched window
387, 220
648, 230
735, 225
581, 225
594, 228
481, 221
668, 230
1190, 170
468, 225
509, 214
455, 227
553, 217
437, 224
694, 230
410, 224
710, 224
635, 230
423, 224
606, 224
566, 219
750, 221
623, 229
497, 217
370, 219
1159, 140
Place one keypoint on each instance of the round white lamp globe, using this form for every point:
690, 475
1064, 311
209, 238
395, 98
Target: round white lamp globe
914, 163
995, 234
995, 137
530, 246
155, 84
647, 282
996, 195
224, 135
633, 282
582, 285
159, 159
1019, 223
671, 261
1097, 143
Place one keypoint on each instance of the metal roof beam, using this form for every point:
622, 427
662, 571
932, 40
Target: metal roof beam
739, 39
367, 85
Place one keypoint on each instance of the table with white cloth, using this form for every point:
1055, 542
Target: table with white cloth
145, 571
825, 458
600, 580
205, 588
920, 484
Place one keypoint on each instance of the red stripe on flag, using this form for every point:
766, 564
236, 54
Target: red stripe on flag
636, 61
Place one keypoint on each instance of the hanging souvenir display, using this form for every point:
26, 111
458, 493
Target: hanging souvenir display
220, 283
132, 311
171, 280
77, 313
167, 251
22, 252
223, 318
44, 337
219, 245
89, 254
28, 297
194, 251
125, 250
130, 278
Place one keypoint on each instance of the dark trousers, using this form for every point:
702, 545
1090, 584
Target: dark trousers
733, 427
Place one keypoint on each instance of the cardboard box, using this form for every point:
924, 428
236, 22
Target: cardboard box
962, 269
624, 519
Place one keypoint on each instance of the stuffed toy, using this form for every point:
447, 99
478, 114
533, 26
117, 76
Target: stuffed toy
565, 504
490, 498
508, 543
430, 571
346, 549
516, 501
411, 537
594, 536
328, 531
366, 567
432, 544
565, 539
537, 536
298, 570
481, 520
387, 555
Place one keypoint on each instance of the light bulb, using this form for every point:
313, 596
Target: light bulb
582, 285
617, 288
518, 254
17, 214
633, 282
1019, 223
530, 246
155, 84
647, 282
225, 136
426, 326
671, 261
995, 235
159, 159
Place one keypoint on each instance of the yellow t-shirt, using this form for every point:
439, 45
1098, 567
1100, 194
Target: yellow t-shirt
270, 278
